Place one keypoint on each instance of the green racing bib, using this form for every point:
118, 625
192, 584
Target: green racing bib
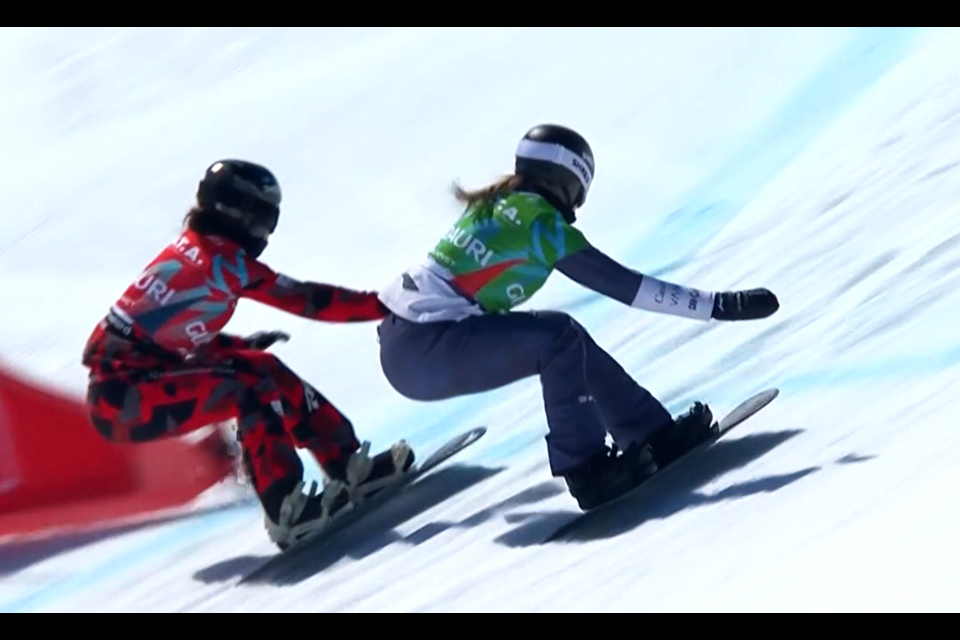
502, 253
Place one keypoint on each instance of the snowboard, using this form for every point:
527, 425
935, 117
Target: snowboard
347, 517
735, 418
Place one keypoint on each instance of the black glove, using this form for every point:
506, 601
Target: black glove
745, 305
263, 340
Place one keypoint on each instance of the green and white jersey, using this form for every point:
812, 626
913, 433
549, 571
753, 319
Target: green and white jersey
502, 255
493, 259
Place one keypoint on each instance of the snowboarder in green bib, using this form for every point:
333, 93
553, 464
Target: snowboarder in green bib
453, 330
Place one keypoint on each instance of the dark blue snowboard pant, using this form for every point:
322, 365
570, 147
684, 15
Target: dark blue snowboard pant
586, 393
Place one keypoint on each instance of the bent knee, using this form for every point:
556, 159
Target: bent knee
100, 417
103, 424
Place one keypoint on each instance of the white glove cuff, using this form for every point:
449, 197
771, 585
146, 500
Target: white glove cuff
672, 299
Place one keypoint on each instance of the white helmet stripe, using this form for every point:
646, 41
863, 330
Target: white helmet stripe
557, 154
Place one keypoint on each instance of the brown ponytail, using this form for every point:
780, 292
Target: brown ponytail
497, 189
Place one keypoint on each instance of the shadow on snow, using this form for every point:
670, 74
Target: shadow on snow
671, 496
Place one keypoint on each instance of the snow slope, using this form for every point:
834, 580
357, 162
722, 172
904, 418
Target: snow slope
818, 161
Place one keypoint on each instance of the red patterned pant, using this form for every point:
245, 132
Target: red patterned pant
277, 413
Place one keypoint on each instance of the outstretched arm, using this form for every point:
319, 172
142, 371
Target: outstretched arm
595, 270
311, 300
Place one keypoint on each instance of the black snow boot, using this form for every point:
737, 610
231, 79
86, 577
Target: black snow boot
290, 514
610, 475
686, 433
301, 515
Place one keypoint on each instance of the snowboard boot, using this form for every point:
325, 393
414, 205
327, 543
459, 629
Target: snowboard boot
686, 433
610, 475
364, 476
304, 515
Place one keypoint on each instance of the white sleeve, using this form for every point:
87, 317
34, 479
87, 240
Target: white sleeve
674, 300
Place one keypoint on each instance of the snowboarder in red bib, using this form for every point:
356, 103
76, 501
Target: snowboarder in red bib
453, 330
161, 367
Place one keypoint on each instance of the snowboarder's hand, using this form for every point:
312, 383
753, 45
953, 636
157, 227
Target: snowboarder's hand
745, 305
263, 340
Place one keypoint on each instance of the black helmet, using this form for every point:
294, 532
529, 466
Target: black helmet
248, 196
560, 158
